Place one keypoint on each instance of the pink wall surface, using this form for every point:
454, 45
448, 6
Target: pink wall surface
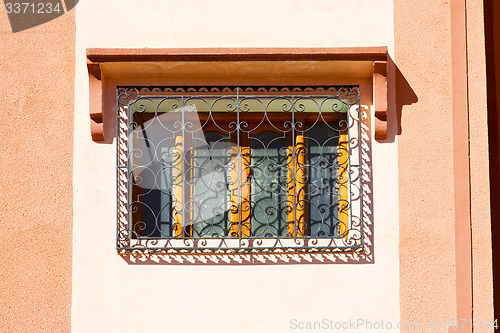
36, 160
445, 238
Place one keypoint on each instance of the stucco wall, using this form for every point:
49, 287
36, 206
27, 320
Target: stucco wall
111, 294
426, 180
480, 187
445, 231
36, 163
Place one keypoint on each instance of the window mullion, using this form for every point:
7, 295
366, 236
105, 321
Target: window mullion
290, 165
178, 185
300, 185
240, 212
343, 177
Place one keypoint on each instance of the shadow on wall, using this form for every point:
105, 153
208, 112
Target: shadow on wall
24, 15
399, 90
492, 46
242, 259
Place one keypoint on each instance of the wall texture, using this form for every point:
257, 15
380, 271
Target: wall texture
481, 219
445, 236
36, 160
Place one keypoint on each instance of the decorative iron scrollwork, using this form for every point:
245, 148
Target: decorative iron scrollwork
239, 169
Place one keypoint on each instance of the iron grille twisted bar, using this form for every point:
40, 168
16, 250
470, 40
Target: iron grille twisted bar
265, 155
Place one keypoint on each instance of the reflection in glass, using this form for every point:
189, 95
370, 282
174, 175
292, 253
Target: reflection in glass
272, 168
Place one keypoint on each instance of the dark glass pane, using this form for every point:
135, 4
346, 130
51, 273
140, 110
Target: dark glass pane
210, 194
195, 152
323, 186
269, 184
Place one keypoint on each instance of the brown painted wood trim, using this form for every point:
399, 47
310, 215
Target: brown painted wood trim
380, 99
97, 56
461, 148
237, 54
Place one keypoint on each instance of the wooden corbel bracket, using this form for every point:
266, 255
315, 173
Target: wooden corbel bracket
380, 99
158, 67
95, 101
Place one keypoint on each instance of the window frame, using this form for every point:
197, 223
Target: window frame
365, 66
351, 242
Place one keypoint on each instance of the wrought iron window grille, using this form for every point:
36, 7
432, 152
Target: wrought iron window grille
239, 169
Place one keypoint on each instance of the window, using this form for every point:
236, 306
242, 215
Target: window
245, 168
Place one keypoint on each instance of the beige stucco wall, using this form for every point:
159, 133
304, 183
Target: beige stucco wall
111, 295
36, 164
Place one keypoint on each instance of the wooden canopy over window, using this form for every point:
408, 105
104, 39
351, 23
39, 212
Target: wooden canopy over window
233, 66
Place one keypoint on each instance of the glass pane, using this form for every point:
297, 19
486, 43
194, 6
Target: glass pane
269, 184
150, 176
182, 160
210, 195
323, 185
